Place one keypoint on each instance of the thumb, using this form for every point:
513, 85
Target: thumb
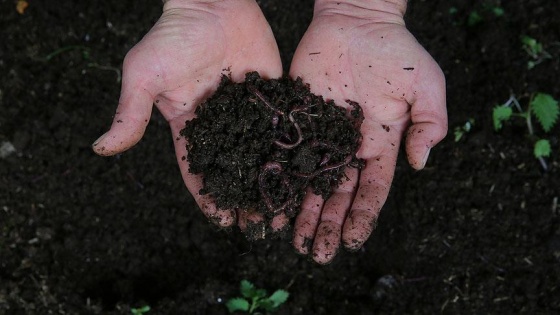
130, 120
429, 120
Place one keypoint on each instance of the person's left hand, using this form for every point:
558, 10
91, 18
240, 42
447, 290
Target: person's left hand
367, 56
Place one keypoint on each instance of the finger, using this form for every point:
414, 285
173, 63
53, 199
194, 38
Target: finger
252, 224
194, 182
329, 232
429, 117
374, 185
307, 221
279, 223
129, 124
132, 115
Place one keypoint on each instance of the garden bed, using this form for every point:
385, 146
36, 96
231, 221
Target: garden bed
477, 231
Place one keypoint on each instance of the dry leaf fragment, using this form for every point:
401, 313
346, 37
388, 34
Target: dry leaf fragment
21, 6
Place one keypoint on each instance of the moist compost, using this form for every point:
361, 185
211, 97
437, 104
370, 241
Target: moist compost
260, 143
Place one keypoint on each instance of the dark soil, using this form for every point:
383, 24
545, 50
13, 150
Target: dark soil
261, 143
476, 232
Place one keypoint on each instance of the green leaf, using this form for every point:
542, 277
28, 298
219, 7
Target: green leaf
266, 305
533, 47
542, 148
474, 18
237, 304
500, 114
141, 310
498, 11
546, 109
528, 41
458, 132
260, 293
247, 289
279, 297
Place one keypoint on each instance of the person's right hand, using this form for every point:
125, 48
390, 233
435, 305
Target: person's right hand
178, 64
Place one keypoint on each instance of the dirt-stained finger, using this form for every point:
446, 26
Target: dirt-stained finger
375, 182
279, 222
307, 221
221, 218
327, 242
358, 227
428, 115
129, 123
328, 238
252, 224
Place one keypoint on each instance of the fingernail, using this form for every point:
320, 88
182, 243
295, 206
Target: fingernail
96, 142
425, 159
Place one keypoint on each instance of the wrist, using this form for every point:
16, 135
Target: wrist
207, 5
387, 9
188, 2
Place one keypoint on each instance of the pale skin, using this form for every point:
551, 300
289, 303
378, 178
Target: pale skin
371, 58
178, 64
356, 50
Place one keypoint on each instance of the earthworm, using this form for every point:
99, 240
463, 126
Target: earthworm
325, 168
257, 93
289, 146
275, 168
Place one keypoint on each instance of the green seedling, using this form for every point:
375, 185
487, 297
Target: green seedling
543, 107
535, 50
83, 49
542, 148
498, 11
254, 299
475, 17
86, 56
141, 310
461, 131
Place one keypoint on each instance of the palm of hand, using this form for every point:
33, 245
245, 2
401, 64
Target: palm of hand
383, 68
379, 65
178, 64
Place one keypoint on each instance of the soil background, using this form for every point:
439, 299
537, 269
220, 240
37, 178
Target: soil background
476, 232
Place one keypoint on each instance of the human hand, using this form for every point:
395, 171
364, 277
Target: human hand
178, 64
361, 51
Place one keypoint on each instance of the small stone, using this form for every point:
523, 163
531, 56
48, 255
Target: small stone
6, 149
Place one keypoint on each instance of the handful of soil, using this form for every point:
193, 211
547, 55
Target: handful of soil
259, 144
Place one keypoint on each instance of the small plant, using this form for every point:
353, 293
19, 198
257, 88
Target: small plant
86, 56
475, 17
545, 109
535, 50
254, 299
461, 131
141, 310
542, 148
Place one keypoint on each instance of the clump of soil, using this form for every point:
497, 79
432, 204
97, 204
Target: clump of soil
260, 143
